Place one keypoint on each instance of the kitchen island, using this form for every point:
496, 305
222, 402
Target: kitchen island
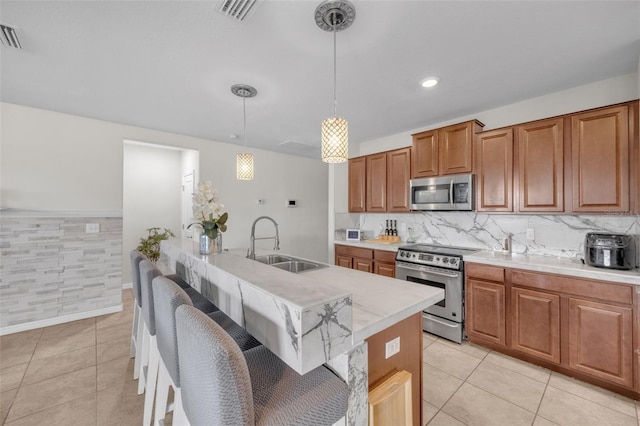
322, 316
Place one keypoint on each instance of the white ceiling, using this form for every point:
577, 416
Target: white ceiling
169, 65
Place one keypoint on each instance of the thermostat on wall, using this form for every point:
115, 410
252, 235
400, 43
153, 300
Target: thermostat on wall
292, 203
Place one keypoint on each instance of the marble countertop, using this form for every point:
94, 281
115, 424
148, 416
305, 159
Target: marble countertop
378, 302
305, 318
555, 265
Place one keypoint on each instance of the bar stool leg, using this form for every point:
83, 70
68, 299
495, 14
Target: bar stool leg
144, 359
134, 332
152, 376
162, 394
179, 416
139, 345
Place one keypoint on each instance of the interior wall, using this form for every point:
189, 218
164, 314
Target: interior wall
64, 162
152, 175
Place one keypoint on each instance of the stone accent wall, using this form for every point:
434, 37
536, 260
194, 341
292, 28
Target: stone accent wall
51, 267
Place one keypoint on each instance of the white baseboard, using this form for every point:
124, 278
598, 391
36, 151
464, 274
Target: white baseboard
59, 320
127, 285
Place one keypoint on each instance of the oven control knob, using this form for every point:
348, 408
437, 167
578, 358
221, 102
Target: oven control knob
445, 260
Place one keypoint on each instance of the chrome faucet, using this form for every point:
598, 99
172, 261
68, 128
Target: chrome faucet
252, 251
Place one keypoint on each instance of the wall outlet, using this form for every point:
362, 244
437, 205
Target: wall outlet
92, 228
392, 347
531, 235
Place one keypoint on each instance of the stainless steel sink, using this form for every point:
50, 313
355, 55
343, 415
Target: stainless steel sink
298, 265
270, 259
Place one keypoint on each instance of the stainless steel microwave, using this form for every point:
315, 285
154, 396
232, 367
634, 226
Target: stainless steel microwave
455, 192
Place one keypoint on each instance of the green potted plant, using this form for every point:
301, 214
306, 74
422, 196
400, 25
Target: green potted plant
150, 246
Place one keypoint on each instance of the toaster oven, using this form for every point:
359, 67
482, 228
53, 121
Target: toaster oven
613, 251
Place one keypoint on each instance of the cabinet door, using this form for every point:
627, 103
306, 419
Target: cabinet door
424, 155
385, 269
398, 176
357, 184
485, 313
344, 261
600, 341
541, 166
376, 182
600, 157
536, 323
494, 154
456, 148
364, 265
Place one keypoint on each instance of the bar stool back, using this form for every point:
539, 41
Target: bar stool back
223, 385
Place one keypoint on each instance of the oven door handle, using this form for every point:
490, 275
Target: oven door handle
440, 322
452, 274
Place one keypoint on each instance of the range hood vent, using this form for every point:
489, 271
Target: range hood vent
9, 37
238, 9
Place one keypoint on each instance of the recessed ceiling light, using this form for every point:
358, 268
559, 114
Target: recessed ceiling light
429, 82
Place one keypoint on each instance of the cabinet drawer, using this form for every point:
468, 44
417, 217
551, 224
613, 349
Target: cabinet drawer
354, 251
485, 272
385, 256
591, 289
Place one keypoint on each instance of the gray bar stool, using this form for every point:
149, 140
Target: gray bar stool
221, 385
150, 357
137, 327
167, 298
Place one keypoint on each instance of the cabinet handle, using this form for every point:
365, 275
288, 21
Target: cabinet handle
451, 192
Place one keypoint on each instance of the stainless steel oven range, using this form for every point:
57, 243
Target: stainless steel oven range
440, 267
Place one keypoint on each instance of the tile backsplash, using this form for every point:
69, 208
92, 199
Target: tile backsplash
554, 235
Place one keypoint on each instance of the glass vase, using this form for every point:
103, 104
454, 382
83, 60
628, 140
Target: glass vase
210, 245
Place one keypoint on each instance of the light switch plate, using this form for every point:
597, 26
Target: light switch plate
392, 347
92, 228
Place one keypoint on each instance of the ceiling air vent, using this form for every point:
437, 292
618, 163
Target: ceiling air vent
238, 9
9, 37
298, 147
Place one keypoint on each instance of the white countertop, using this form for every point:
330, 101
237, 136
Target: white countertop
306, 318
555, 265
378, 302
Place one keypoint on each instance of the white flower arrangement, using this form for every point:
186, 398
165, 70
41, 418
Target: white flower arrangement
207, 210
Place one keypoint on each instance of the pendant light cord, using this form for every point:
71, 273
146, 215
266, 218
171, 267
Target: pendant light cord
335, 99
244, 121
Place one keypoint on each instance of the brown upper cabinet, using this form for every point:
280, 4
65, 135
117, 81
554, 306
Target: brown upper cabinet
600, 154
540, 166
583, 162
494, 170
377, 182
444, 151
357, 184
380, 182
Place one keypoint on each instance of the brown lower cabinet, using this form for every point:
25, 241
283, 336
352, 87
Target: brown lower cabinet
580, 327
380, 262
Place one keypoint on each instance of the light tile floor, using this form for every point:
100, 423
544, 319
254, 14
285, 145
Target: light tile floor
80, 373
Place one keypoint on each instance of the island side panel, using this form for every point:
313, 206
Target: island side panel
409, 358
352, 367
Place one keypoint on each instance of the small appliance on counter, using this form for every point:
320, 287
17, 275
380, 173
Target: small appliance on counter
612, 251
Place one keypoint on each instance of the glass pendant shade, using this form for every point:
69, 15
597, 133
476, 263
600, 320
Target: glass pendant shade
244, 166
335, 140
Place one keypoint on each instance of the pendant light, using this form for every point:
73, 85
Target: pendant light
334, 16
244, 161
